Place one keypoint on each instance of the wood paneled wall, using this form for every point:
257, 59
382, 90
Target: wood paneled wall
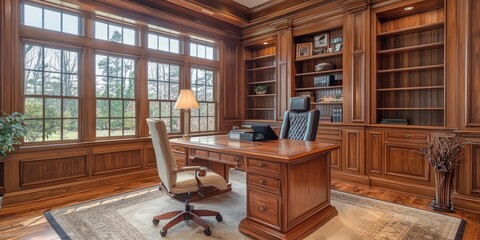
35, 172
387, 156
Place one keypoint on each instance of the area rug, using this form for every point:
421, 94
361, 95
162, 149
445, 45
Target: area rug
129, 216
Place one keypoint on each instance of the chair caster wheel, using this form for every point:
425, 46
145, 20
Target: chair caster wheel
164, 233
219, 217
155, 222
207, 232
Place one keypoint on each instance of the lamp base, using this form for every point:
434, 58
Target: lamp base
186, 130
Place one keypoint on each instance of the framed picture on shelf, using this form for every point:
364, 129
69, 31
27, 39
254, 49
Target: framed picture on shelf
337, 40
304, 50
320, 40
338, 47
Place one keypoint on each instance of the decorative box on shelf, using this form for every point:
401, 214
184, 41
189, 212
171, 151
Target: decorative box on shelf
323, 67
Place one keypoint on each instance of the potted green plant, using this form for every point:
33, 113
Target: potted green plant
444, 154
260, 89
12, 129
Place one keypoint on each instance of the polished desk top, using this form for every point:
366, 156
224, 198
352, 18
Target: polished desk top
282, 150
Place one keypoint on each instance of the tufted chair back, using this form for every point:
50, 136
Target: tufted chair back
300, 123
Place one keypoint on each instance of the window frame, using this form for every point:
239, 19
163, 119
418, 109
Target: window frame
181, 42
122, 25
87, 47
80, 86
59, 9
214, 46
181, 82
214, 101
135, 91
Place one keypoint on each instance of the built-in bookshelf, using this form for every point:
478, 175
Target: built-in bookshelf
324, 86
410, 75
260, 72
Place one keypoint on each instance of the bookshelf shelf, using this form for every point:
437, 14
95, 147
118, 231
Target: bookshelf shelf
412, 48
262, 82
320, 56
319, 72
261, 57
262, 95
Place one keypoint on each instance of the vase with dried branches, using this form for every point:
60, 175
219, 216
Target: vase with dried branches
444, 154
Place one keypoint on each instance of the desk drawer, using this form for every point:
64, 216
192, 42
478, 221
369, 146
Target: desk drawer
178, 150
263, 167
264, 208
412, 136
233, 160
264, 183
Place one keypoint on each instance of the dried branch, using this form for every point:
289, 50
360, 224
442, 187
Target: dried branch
444, 153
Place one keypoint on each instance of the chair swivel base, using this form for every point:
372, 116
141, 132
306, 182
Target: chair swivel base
188, 214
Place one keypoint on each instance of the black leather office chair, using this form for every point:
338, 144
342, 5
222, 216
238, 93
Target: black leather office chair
300, 123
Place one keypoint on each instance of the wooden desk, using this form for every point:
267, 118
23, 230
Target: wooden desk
288, 181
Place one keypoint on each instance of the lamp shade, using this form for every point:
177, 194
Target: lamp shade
186, 100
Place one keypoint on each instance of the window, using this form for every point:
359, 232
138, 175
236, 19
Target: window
115, 33
163, 43
202, 51
50, 19
115, 94
163, 90
51, 93
203, 119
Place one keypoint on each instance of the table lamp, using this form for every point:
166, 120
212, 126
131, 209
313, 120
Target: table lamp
186, 101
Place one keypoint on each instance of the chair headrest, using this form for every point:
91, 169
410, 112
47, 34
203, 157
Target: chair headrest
300, 103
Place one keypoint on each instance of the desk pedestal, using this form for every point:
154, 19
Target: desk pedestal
287, 200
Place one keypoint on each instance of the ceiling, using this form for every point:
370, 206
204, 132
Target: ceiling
239, 13
251, 3
232, 13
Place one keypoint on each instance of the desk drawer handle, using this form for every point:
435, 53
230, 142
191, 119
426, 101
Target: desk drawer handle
262, 208
260, 164
238, 162
262, 181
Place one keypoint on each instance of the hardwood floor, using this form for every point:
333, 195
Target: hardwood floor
27, 222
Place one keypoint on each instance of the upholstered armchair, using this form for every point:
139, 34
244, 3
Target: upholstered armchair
179, 183
300, 123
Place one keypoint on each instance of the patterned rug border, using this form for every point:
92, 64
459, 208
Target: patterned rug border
58, 229
461, 227
64, 236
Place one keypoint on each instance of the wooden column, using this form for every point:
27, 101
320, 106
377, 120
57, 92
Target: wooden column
356, 62
284, 67
230, 84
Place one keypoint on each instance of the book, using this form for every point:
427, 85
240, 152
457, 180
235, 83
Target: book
237, 133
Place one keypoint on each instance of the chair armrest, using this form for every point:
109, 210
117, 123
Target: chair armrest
191, 168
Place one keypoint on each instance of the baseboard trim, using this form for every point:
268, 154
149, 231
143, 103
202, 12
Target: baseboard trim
466, 203
359, 179
419, 190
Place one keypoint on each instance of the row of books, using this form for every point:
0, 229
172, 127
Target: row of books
337, 115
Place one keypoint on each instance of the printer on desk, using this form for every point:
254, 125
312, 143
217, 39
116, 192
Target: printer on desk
253, 134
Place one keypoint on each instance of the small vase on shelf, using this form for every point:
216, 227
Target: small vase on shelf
260, 89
